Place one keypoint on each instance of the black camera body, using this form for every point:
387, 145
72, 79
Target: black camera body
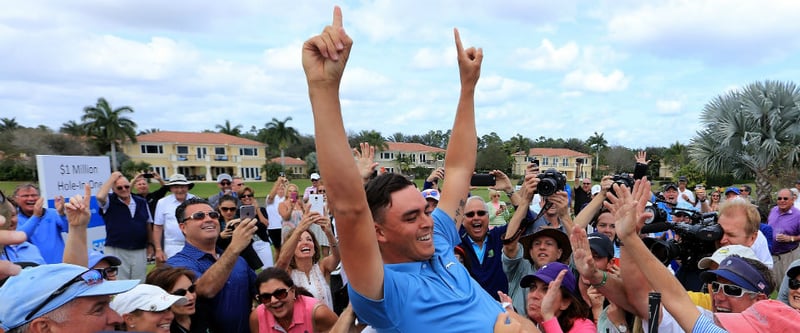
550, 182
696, 240
622, 179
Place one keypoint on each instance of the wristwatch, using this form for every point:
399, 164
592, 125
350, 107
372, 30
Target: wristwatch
622, 328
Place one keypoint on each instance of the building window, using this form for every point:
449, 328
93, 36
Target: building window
250, 173
182, 150
390, 169
201, 153
564, 162
220, 154
387, 156
161, 171
545, 161
248, 151
422, 157
152, 149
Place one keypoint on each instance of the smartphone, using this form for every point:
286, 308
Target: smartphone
535, 162
317, 202
482, 179
293, 196
147, 175
247, 212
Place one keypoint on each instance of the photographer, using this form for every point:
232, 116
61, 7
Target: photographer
555, 203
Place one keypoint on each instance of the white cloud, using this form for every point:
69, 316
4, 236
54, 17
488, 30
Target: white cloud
596, 81
547, 56
716, 30
668, 106
428, 58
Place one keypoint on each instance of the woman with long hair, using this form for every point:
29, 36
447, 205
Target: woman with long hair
178, 281
498, 214
716, 199
282, 302
554, 302
276, 195
228, 220
291, 210
300, 256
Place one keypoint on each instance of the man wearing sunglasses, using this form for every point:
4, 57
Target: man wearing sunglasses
483, 247
225, 184
784, 219
225, 283
127, 219
60, 298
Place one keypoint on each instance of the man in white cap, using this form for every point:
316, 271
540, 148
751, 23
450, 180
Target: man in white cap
59, 298
313, 188
225, 184
165, 224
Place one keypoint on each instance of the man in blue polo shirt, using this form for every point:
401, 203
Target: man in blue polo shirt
399, 256
42, 225
225, 283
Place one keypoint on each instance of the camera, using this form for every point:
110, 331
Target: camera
694, 240
550, 182
622, 179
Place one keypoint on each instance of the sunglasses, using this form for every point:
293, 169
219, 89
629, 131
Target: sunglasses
202, 215
278, 293
472, 214
587, 183
227, 209
183, 292
119, 188
247, 195
783, 199
321, 192
729, 289
225, 183
794, 284
91, 277
108, 272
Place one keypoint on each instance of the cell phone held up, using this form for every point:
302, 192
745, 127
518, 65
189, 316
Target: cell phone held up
317, 202
482, 179
247, 212
147, 175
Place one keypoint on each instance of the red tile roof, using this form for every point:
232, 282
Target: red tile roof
289, 161
555, 152
197, 138
408, 146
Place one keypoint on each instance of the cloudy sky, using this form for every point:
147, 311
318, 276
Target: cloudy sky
639, 72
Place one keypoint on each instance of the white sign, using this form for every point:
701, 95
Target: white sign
66, 176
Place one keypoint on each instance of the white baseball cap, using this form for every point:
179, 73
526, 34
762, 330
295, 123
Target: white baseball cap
145, 297
721, 253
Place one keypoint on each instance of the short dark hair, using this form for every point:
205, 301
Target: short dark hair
379, 193
274, 273
227, 197
181, 210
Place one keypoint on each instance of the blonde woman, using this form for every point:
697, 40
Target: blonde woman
497, 210
291, 210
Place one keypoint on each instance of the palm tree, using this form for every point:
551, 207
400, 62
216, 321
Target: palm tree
280, 135
73, 128
227, 129
374, 138
753, 131
108, 126
676, 156
9, 124
149, 131
518, 143
597, 142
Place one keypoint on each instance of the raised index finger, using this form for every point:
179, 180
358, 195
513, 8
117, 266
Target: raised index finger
337, 16
87, 194
459, 48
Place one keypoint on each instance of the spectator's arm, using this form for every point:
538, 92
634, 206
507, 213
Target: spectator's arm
510, 243
78, 215
102, 193
212, 281
588, 213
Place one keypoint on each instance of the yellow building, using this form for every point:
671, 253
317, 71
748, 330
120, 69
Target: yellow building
199, 156
295, 167
414, 154
562, 159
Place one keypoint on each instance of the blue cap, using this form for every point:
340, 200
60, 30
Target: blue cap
684, 208
601, 244
21, 294
548, 273
741, 273
733, 189
96, 257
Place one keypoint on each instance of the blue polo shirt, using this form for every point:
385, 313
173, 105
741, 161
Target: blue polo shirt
229, 310
23, 252
436, 295
45, 233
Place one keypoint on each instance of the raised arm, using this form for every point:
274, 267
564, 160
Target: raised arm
628, 208
588, 213
459, 161
324, 60
78, 215
102, 193
281, 181
215, 278
510, 245
288, 247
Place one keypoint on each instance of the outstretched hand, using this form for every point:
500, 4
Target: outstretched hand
628, 207
469, 62
365, 160
8, 237
77, 209
325, 55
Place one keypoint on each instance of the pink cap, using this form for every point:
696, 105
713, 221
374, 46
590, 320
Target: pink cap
763, 316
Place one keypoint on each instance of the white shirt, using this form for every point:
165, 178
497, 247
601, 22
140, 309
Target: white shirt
274, 217
165, 216
688, 193
761, 248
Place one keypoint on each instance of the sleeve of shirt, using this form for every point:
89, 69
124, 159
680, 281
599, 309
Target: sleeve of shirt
380, 314
29, 226
705, 325
159, 218
552, 326
179, 260
510, 265
105, 204
60, 220
445, 235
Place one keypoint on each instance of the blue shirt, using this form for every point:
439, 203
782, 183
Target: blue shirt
45, 233
23, 252
436, 295
485, 265
229, 310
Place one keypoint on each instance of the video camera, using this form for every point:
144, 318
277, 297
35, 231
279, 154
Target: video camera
550, 182
694, 241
